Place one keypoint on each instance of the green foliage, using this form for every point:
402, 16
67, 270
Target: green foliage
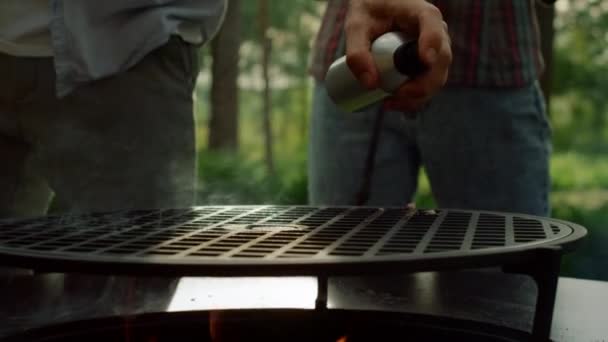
424, 197
284, 15
293, 26
234, 179
580, 81
578, 171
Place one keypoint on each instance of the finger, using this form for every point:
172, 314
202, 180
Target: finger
406, 105
434, 49
437, 76
444, 61
412, 95
415, 88
358, 43
429, 83
433, 35
403, 11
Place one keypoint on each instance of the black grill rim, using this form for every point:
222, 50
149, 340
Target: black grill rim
342, 265
405, 320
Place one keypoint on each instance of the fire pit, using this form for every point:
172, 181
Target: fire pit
300, 241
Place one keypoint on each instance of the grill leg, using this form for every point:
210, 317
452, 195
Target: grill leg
545, 272
322, 284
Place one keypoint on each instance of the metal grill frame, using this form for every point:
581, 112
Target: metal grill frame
301, 266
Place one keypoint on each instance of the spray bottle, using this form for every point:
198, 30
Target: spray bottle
397, 61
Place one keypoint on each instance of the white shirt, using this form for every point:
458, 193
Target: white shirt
94, 39
24, 28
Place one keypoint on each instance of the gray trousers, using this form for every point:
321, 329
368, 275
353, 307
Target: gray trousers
119, 143
483, 149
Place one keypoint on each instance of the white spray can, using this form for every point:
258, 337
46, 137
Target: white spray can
397, 61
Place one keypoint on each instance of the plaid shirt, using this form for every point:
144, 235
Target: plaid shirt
495, 43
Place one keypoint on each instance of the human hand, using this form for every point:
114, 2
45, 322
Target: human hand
368, 19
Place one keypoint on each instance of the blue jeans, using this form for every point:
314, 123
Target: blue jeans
482, 149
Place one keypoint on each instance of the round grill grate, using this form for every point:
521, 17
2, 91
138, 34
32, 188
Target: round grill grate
271, 236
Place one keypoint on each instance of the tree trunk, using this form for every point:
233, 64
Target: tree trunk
263, 14
304, 88
223, 121
546, 15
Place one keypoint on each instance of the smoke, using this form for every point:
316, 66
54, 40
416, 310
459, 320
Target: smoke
33, 301
226, 179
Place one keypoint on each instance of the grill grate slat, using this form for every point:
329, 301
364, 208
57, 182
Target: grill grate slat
492, 231
409, 235
148, 231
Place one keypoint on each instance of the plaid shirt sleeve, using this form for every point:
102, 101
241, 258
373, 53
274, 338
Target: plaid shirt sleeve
495, 43
328, 38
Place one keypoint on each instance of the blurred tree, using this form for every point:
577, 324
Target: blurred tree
546, 17
223, 121
266, 43
291, 28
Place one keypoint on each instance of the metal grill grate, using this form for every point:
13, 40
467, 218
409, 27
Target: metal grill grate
273, 234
